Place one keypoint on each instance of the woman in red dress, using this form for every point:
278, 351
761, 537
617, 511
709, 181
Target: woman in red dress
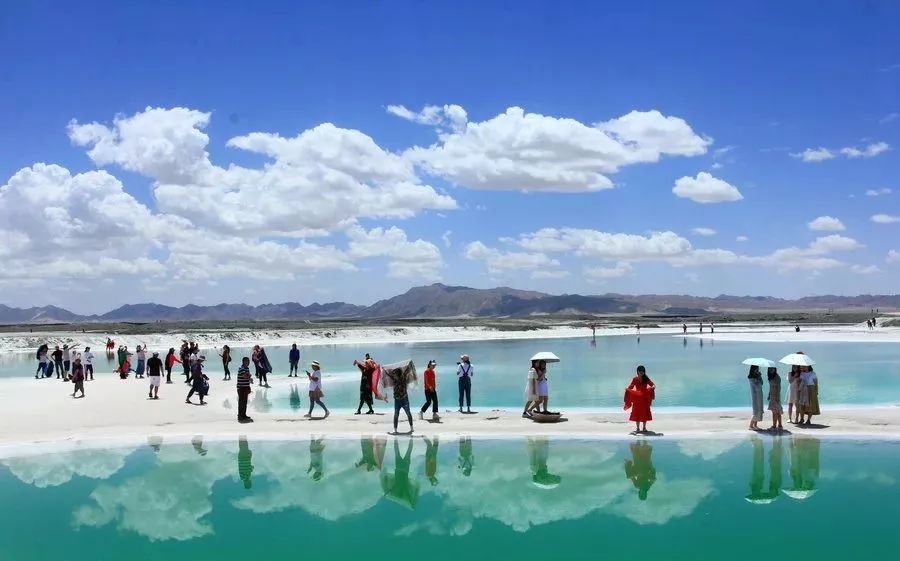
638, 396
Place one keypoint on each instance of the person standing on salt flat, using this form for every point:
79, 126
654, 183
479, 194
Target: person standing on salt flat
399, 376
154, 372
464, 373
774, 398
87, 360
756, 396
141, 361
226, 360
67, 361
58, 362
198, 380
366, 373
244, 381
171, 359
638, 397
431, 397
78, 377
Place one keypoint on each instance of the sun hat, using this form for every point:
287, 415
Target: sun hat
314, 364
464, 357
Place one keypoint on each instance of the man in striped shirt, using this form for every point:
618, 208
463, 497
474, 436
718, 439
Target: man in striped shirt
244, 380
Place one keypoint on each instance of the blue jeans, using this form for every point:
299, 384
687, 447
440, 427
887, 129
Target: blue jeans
402, 404
465, 390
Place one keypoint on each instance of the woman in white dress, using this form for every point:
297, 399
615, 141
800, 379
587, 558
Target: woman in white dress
531, 390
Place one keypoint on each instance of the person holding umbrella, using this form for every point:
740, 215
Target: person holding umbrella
808, 386
756, 396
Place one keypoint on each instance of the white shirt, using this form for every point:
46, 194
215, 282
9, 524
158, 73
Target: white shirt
67, 354
315, 384
465, 369
87, 357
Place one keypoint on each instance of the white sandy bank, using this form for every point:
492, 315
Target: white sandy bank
43, 412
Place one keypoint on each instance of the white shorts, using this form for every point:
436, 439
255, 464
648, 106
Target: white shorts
155, 380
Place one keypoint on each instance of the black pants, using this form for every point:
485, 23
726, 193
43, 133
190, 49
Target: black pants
227, 372
465, 390
168, 374
198, 390
293, 369
187, 370
88, 371
59, 368
66, 365
365, 397
243, 394
431, 399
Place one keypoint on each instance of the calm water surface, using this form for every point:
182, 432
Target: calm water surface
447, 499
688, 372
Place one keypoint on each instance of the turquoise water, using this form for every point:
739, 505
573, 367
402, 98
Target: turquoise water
688, 372
452, 499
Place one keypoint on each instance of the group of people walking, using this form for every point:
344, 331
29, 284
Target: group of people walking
68, 364
802, 395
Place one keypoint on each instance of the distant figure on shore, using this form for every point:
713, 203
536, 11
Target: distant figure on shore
171, 359
796, 329
874, 322
684, 328
794, 394
809, 395
244, 381
185, 354
593, 330
42, 359
78, 377
430, 385
226, 360
315, 389
639, 469
199, 383
869, 324
366, 373
712, 327
701, 327
141, 361
294, 360
464, 373
638, 397
774, 398
154, 371
637, 328
756, 396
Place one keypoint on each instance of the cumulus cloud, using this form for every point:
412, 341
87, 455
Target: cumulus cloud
498, 261
529, 151
878, 192
865, 269
408, 259
703, 231
893, 256
884, 219
741, 239
706, 189
826, 224
820, 154
606, 245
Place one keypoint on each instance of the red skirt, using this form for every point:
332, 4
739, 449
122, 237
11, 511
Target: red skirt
640, 405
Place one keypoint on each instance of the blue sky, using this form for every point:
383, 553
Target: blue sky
752, 85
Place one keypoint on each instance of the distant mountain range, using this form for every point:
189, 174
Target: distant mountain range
441, 301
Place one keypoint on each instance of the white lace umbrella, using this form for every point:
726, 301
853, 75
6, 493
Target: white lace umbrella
797, 359
546, 356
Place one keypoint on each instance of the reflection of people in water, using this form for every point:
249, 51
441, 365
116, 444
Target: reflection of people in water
197, 441
593, 341
245, 463
804, 468
774, 470
316, 461
367, 446
431, 452
639, 469
295, 398
538, 454
397, 486
466, 460
260, 402
757, 475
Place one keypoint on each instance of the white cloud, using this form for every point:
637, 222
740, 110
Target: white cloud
815, 155
447, 238
878, 192
821, 154
498, 261
453, 117
832, 243
741, 239
826, 224
703, 231
517, 150
409, 259
706, 189
340, 175
865, 269
869, 151
885, 219
889, 118
621, 269
893, 256
538, 275
704, 257
606, 245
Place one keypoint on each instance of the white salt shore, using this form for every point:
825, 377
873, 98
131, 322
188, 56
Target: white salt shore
39, 414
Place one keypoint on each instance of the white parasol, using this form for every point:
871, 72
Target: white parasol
761, 362
797, 359
799, 494
546, 356
760, 500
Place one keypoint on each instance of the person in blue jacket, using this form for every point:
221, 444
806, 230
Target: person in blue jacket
294, 358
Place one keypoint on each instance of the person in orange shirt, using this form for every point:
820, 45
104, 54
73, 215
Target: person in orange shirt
430, 392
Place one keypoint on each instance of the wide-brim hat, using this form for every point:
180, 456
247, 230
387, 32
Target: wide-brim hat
314, 364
